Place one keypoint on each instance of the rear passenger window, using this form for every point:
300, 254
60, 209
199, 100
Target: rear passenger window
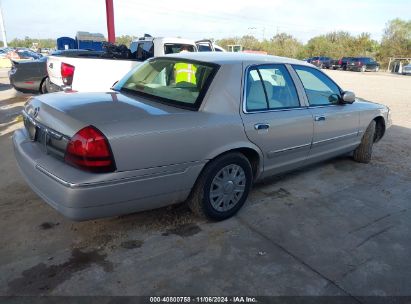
270, 87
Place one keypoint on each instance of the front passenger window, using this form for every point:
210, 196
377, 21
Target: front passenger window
320, 89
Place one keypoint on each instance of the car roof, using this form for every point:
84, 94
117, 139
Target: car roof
235, 57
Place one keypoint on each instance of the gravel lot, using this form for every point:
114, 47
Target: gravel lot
336, 228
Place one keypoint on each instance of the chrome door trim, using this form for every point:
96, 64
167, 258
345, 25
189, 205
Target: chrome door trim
271, 154
335, 138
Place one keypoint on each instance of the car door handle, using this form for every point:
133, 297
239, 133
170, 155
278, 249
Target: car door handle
319, 118
261, 126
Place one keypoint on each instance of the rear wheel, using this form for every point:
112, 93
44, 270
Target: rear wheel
364, 151
222, 188
43, 86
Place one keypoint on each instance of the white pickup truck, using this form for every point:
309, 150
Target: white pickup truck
96, 73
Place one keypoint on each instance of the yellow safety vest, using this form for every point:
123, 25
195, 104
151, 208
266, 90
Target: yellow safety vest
185, 72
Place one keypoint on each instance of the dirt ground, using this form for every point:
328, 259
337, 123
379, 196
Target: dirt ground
335, 228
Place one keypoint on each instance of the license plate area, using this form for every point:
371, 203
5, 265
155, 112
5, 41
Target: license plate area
31, 128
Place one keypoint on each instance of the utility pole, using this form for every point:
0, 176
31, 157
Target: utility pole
110, 21
3, 30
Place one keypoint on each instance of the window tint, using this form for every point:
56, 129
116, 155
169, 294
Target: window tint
204, 48
172, 48
320, 89
176, 81
144, 51
256, 99
270, 87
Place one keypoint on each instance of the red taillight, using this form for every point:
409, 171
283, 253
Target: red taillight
340, 62
89, 149
67, 73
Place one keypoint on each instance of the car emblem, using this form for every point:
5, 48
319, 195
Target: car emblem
36, 112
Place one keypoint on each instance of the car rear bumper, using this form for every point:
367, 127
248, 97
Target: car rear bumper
82, 200
32, 86
53, 88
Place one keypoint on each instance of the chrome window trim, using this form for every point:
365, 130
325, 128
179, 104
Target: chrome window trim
245, 78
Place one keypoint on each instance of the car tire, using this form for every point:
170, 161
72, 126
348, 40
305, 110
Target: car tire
203, 203
43, 86
363, 152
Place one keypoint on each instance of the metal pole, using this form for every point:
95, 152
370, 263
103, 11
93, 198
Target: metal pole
110, 21
389, 64
3, 30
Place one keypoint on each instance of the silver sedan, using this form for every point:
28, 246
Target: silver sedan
195, 127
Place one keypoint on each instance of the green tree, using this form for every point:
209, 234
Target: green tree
28, 42
284, 45
125, 39
396, 40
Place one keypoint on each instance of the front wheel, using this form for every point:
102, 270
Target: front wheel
222, 188
364, 151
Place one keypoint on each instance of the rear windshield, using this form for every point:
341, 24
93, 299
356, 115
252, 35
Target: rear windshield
204, 48
177, 82
173, 48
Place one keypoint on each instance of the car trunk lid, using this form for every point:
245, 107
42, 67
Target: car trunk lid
66, 113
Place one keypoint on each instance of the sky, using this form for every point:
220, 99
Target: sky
201, 19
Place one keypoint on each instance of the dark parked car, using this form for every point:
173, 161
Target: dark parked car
31, 76
342, 63
321, 62
363, 64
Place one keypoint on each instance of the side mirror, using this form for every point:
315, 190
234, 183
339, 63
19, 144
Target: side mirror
348, 97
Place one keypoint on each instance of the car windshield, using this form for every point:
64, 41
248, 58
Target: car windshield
178, 82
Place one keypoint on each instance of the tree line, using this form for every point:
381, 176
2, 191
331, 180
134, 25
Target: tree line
396, 42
